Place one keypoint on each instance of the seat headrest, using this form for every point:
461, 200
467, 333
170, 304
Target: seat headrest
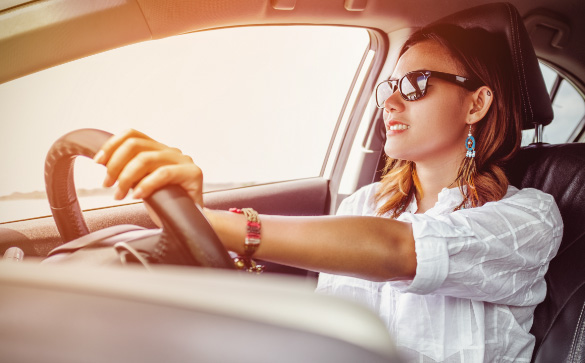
504, 20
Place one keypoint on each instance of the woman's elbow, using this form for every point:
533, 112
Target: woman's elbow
402, 269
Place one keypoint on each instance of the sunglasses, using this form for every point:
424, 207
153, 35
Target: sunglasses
413, 85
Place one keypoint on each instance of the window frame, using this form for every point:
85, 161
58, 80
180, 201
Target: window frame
379, 43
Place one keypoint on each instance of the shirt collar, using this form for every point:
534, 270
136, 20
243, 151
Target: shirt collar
448, 200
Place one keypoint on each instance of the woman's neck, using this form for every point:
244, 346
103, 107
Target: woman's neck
433, 178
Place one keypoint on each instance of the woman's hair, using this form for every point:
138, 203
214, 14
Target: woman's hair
485, 57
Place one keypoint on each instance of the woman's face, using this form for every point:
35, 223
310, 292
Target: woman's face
436, 126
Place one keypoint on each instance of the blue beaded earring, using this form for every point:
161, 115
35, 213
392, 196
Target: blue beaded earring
470, 145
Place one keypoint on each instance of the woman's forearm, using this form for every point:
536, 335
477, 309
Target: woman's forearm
372, 248
367, 247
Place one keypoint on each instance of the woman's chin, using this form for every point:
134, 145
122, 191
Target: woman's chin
395, 153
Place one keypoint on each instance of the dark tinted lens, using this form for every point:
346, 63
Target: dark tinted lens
383, 91
413, 86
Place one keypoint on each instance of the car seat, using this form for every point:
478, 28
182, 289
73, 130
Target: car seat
559, 170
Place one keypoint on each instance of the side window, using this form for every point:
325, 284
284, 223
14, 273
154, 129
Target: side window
569, 111
250, 105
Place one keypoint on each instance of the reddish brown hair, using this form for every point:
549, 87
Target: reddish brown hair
484, 57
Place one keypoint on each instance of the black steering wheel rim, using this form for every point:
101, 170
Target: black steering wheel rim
182, 220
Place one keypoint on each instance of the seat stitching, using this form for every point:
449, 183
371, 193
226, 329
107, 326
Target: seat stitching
578, 334
524, 72
558, 312
519, 60
514, 55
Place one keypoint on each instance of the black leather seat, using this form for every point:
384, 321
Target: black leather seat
558, 321
559, 170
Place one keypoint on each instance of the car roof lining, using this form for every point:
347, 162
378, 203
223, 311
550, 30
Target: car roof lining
35, 35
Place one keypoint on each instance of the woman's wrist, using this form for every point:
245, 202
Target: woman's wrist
210, 215
229, 227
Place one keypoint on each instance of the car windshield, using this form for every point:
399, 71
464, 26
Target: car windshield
216, 95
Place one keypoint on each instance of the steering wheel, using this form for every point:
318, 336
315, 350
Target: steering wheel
183, 222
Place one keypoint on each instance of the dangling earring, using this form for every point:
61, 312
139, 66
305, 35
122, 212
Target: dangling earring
470, 145
467, 173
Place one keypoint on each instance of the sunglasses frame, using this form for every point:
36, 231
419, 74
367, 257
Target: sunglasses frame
396, 84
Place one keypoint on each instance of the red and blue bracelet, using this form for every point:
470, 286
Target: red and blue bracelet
251, 243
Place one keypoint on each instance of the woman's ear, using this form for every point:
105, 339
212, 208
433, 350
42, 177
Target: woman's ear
481, 101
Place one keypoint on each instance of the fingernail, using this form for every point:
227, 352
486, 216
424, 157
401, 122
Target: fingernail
99, 156
119, 194
138, 193
108, 181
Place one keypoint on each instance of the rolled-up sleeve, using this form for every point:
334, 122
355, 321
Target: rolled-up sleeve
497, 253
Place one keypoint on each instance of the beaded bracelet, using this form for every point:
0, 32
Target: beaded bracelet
251, 243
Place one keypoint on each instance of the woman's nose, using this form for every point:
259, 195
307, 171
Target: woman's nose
393, 102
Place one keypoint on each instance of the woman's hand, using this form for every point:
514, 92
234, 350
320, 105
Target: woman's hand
140, 163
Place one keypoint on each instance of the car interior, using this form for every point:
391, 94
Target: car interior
36, 35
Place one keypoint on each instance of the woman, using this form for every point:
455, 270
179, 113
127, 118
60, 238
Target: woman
449, 255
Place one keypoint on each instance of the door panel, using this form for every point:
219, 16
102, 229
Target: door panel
304, 197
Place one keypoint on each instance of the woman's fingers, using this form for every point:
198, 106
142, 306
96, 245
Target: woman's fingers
129, 150
108, 148
145, 163
188, 176
137, 161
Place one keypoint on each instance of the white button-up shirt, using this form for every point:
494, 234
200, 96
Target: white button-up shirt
479, 277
